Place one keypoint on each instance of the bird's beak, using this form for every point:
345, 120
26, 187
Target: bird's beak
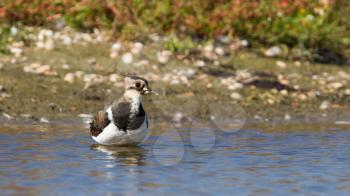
147, 91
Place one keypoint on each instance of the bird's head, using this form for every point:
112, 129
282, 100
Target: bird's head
139, 84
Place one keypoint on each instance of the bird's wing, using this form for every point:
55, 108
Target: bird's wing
99, 122
121, 112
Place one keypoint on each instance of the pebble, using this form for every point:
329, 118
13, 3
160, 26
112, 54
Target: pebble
49, 44
287, 117
224, 39
208, 48
284, 92
178, 76
69, 77
154, 37
142, 63
236, 96
177, 117
336, 85
136, 48
36, 68
7, 115
116, 46
114, 78
1, 66
325, 105
91, 61
302, 97
200, 63
113, 54
16, 51
127, 58
347, 92
67, 40
273, 51
163, 56
79, 74
26, 115
219, 51
270, 101
14, 31
85, 115
311, 94
235, 86
44, 120
297, 63
93, 78
281, 64
244, 43
65, 66
175, 81
344, 75
5, 95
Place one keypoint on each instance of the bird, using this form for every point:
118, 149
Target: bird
124, 122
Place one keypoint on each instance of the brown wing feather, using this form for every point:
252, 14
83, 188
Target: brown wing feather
99, 122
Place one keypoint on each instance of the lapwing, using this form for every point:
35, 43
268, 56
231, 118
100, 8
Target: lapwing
124, 122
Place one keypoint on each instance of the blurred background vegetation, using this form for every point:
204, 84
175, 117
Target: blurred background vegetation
315, 29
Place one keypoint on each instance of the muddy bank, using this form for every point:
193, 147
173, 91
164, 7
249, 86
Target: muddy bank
59, 75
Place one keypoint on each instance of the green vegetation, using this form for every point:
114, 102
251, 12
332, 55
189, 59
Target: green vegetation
310, 28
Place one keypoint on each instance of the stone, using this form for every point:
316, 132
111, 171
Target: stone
302, 97
236, 96
116, 46
127, 58
137, 47
69, 77
91, 61
49, 44
113, 54
281, 64
44, 120
335, 85
297, 63
65, 66
244, 43
200, 63
163, 56
273, 51
177, 117
270, 101
347, 92
208, 48
287, 117
325, 105
67, 40
113, 78
219, 51
284, 92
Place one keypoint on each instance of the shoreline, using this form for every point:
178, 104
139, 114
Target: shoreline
51, 78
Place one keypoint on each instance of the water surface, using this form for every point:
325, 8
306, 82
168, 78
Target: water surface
62, 159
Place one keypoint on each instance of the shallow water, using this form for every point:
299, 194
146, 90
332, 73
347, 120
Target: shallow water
62, 159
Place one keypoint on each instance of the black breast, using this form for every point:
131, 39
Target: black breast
136, 120
124, 119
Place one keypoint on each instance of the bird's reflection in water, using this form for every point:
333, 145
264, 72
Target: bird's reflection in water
125, 155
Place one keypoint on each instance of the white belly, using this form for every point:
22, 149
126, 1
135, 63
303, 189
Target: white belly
111, 135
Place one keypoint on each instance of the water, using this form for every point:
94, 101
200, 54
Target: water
62, 159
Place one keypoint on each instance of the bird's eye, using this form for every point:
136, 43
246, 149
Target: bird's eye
138, 84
